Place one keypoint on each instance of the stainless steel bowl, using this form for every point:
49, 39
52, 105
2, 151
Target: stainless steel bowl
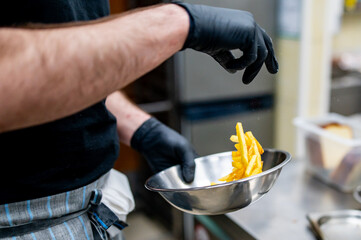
200, 198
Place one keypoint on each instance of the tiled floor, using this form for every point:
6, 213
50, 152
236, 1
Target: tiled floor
142, 227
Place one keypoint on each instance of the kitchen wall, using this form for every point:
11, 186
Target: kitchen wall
349, 36
304, 82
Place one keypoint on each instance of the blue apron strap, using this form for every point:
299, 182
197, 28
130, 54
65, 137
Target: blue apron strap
101, 216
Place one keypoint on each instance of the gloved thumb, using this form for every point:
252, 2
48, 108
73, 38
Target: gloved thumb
188, 165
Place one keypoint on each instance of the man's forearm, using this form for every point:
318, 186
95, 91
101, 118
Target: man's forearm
129, 117
51, 73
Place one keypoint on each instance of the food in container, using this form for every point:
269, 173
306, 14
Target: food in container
333, 149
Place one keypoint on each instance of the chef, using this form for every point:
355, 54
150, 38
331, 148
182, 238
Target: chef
61, 114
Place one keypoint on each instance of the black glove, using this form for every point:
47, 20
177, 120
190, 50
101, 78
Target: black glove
163, 147
216, 31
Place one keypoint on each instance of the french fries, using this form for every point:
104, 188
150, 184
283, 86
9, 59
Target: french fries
247, 159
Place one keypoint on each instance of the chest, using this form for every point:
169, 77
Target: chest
51, 11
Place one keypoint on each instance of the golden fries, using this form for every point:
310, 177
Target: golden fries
242, 143
252, 138
234, 138
247, 159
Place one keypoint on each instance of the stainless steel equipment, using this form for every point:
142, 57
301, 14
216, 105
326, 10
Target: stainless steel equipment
211, 135
204, 79
213, 100
202, 198
282, 214
346, 94
335, 225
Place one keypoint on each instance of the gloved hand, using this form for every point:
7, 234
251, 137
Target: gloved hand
216, 31
163, 147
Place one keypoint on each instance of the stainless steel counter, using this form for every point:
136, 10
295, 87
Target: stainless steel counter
281, 214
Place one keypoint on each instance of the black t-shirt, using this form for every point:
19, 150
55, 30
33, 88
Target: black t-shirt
67, 153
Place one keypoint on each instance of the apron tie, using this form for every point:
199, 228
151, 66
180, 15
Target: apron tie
101, 217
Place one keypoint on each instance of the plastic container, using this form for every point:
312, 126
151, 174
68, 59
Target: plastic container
332, 158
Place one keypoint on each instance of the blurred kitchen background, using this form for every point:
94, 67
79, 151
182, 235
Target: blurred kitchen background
318, 46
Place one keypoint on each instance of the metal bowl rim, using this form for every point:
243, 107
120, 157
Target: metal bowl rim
275, 168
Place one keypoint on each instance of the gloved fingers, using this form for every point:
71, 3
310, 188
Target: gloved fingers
271, 61
224, 57
249, 55
188, 168
188, 165
262, 53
